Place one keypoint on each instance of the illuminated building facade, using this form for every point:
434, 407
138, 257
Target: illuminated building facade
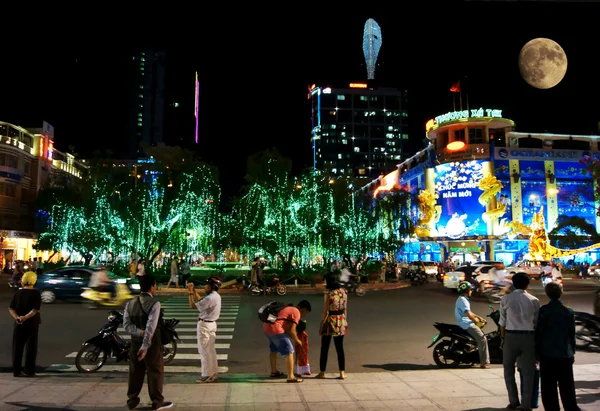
146, 100
358, 130
372, 41
527, 173
27, 160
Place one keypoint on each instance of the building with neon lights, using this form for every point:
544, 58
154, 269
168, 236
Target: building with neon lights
27, 160
358, 130
536, 171
372, 41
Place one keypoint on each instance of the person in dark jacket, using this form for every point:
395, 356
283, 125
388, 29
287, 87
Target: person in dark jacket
555, 346
140, 319
25, 309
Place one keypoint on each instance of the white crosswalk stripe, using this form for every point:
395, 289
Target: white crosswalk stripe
187, 348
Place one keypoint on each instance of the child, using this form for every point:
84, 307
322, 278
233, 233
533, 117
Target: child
302, 365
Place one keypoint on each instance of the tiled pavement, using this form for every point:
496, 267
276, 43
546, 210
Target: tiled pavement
461, 389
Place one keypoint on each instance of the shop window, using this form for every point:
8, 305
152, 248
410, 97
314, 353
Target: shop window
476, 136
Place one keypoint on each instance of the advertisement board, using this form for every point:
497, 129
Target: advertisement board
456, 184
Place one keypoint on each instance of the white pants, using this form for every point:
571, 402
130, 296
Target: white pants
207, 335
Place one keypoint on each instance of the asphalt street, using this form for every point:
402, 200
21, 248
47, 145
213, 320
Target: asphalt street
388, 330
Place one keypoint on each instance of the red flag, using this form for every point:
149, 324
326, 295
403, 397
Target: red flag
455, 87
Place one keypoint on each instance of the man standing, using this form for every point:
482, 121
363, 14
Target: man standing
209, 309
466, 320
140, 319
555, 343
518, 319
282, 337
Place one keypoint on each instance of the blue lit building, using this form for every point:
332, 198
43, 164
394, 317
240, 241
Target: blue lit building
535, 170
372, 41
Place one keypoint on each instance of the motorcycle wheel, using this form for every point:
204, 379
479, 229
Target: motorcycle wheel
493, 298
582, 335
360, 291
281, 289
443, 356
169, 351
94, 354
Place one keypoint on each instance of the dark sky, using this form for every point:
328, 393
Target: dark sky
255, 65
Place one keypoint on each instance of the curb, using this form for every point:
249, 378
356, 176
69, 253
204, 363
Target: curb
291, 289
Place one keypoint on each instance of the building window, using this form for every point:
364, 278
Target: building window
357, 149
475, 135
8, 190
341, 97
26, 168
459, 135
9, 161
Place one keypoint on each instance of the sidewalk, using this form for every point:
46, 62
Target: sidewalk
436, 389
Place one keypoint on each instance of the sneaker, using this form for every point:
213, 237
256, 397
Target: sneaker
202, 379
164, 406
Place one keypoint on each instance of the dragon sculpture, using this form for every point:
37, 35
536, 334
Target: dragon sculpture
491, 187
429, 211
539, 245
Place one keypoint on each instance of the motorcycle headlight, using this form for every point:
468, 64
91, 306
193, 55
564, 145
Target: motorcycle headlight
135, 286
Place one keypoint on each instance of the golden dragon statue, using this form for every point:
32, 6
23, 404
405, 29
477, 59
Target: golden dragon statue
539, 245
429, 211
491, 187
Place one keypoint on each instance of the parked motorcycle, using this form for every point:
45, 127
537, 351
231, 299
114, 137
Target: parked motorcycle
122, 295
587, 330
107, 343
271, 285
455, 346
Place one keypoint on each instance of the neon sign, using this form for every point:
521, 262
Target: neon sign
358, 85
466, 114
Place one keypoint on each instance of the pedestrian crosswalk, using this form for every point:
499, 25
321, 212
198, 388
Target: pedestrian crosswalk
187, 359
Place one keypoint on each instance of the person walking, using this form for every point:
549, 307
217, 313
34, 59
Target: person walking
334, 324
467, 320
174, 272
555, 345
209, 309
518, 319
141, 269
25, 309
140, 319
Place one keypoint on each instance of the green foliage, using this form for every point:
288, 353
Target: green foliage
573, 232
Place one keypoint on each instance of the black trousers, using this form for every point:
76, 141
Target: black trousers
151, 364
25, 335
559, 371
339, 348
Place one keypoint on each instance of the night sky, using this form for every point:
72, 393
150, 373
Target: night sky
256, 64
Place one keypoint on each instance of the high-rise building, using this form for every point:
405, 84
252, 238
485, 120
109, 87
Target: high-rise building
358, 130
371, 44
147, 100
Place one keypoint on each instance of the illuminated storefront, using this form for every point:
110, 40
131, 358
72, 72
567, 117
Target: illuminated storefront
479, 177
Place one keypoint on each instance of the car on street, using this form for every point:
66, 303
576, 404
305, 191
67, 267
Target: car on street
67, 283
594, 269
453, 278
533, 268
430, 267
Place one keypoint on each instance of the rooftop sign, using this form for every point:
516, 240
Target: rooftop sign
358, 85
463, 115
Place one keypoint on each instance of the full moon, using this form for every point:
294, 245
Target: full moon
543, 63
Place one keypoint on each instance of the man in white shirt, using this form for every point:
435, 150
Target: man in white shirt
518, 319
174, 272
209, 309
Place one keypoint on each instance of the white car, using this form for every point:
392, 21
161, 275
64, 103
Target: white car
532, 268
453, 278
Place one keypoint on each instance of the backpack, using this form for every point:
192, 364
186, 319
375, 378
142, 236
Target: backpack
165, 328
268, 313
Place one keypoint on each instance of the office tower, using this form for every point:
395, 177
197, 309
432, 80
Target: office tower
147, 100
358, 130
371, 44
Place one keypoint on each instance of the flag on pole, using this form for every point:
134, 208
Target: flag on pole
455, 87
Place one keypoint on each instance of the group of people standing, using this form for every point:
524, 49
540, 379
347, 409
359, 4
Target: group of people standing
533, 337
142, 319
287, 335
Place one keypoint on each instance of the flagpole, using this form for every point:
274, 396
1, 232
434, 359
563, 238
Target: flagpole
460, 92
453, 102
467, 93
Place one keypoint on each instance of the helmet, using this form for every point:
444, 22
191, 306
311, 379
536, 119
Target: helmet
214, 282
29, 278
464, 286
